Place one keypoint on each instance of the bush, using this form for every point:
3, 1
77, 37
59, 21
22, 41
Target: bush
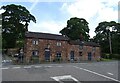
116, 56
105, 55
110, 56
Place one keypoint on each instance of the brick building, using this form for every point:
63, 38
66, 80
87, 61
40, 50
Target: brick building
52, 47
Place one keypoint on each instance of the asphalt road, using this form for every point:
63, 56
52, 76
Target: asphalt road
102, 72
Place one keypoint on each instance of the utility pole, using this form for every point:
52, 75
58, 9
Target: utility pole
110, 42
108, 28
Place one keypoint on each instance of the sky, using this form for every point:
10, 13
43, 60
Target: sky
52, 15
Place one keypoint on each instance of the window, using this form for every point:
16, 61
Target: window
58, 43
58, 56
80, 47
35, 53
35, 42
80, 53
94, 48
48, 45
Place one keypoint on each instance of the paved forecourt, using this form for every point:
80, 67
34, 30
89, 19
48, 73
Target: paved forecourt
77, 72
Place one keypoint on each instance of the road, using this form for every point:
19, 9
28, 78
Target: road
102, 72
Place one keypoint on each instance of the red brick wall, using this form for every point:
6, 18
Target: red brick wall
65, 50
85, 50
42, 44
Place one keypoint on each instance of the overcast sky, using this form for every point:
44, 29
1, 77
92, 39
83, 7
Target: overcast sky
52, 15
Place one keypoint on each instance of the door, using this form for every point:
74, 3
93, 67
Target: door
89, 56
80, 56
47, 54
72, 55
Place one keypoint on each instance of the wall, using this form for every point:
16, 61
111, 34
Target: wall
65, 50
42, 44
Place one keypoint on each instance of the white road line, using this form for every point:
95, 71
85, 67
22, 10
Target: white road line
5, 68
16, 67
37, 66
97, 74
75, 66
58, 78
27, 66
110, 73
59, 66
48, 66
83, 63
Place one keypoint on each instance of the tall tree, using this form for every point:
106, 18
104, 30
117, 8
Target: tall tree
77, 28
103, 31
14, 20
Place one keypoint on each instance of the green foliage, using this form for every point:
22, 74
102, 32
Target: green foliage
102, 36
13, 24
110, 56
77, 28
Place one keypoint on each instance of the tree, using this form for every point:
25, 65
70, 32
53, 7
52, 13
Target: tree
14, 20
102, 36
77, 28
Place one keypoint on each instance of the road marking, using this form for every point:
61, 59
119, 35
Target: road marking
16, 67
37, 66
59, 66
110, 73
97, 74
5, 68
58, 78
81, 63
48, 66
75, 66
27, 66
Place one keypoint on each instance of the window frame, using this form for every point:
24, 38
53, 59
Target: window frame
35, 41
35, 53
59, 44
94, 48
81, 47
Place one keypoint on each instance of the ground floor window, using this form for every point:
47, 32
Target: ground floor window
35, 56
35, 53
80, 53
58, 56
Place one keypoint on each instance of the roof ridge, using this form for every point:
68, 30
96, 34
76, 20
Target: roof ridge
45, 36
45, 33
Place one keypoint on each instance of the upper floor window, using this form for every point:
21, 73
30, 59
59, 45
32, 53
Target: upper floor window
94, 48
59, 44
80, 47
35, 41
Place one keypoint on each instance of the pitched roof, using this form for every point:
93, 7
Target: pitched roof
84, 43
45, 36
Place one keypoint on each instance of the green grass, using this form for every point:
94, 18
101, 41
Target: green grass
103, 59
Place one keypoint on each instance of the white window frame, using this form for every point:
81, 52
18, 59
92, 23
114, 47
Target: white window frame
36, 52
35, 42
59, 43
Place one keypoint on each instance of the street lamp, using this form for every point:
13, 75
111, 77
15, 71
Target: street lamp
109, 29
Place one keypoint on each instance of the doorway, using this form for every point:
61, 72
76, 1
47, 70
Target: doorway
89, 56
72, 55
47, 55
